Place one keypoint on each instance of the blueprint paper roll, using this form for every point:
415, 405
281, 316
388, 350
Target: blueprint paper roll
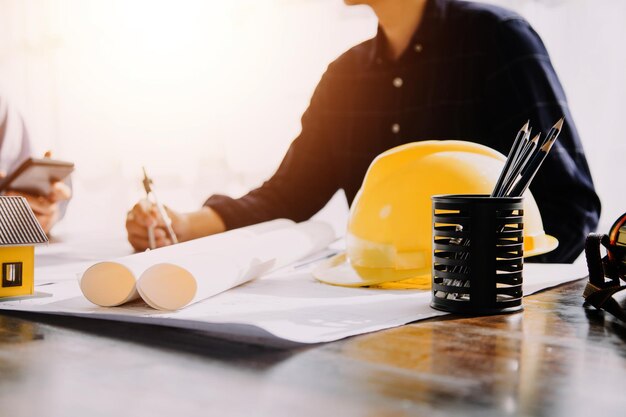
112, 283
192, 278
169, 286
172, 277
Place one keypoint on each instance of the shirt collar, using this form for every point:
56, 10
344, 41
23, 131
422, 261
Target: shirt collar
424, 35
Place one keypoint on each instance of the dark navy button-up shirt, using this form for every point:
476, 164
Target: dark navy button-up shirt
472, 72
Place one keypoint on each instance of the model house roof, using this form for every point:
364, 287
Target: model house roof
18, 224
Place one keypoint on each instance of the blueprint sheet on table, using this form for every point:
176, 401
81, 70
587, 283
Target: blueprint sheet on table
286, 307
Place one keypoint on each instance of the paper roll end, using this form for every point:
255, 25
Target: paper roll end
108, 284
167, 287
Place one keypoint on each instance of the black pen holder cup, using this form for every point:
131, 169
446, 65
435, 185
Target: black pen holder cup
478, 249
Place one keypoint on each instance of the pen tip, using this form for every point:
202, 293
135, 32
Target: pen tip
558, 125
535, 139
525, 127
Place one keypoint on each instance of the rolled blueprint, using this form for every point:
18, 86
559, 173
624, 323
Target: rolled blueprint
172, 277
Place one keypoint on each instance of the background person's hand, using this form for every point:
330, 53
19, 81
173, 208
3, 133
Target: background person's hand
46, 208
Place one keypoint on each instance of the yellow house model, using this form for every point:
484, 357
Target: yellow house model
19, 233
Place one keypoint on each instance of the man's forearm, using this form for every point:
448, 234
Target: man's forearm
201, 223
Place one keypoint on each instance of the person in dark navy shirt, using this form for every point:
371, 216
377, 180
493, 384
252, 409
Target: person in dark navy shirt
437, 69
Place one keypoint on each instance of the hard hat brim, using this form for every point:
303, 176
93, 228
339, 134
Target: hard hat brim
546, 244
338, 271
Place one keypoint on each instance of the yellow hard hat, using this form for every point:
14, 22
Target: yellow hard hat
390, 225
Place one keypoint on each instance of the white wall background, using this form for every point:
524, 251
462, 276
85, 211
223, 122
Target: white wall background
208, 94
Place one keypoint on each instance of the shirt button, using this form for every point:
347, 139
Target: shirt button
418, 47
395, 128
397, 82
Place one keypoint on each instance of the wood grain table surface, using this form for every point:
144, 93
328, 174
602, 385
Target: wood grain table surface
555, 358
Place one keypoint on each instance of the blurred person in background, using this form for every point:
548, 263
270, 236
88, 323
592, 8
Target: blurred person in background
436, 69
15, 148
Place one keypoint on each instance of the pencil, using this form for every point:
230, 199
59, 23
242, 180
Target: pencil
518, 154
512, 151
521, 164
534, 165
554, 130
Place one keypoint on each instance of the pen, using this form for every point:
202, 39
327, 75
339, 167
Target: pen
148, 185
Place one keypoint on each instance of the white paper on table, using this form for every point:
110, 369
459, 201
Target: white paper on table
282, 308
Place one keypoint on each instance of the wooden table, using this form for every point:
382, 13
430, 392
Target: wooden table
554, 359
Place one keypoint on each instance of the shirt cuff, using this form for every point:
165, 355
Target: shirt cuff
226, 208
